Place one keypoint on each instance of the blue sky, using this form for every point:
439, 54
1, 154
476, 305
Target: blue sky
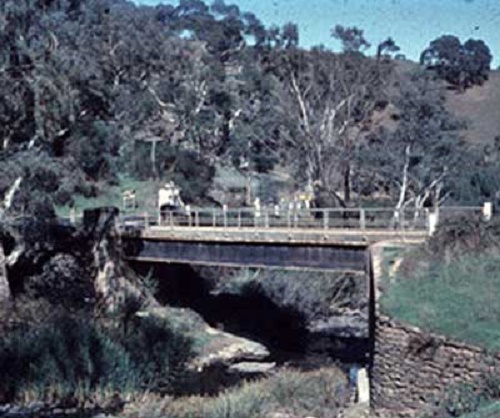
412, 23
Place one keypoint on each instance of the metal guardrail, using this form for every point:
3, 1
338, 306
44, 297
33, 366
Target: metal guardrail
359, 221
273, 218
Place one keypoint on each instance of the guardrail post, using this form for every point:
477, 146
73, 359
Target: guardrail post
239, 218
214, 218
487, 211
72, 216
362, 219
288, 219
224, 211
326, 219
187, 209
171, 219
432, 221
266, 218
196, 218
146, 221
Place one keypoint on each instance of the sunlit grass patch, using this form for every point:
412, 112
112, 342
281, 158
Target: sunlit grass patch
146, 197
458, 299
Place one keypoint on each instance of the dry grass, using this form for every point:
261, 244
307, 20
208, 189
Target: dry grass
479, 107
320, 393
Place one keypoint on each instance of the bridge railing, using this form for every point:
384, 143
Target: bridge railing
274, 218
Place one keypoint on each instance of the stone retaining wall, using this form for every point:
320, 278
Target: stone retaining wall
413, 368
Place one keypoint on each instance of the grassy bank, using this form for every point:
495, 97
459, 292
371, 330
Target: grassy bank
458, 299
450, 285
490, 411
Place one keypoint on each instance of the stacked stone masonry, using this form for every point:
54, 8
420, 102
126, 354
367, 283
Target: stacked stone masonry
413, 368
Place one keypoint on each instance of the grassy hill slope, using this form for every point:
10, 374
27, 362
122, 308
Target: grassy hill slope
480, 107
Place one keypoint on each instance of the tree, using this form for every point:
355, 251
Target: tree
352, 38
290, 35
388, 46
419, 162
327, 101
460, 65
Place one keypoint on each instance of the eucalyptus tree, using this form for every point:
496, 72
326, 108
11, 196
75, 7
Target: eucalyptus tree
327, 101
419, 162
462, 65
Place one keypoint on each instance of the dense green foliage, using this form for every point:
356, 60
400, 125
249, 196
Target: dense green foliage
462, 65
96, 91
313, 295
71, 355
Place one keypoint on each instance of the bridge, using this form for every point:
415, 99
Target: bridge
321, 239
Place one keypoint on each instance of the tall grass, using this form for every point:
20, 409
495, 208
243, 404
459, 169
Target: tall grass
69, 355
320, 393
457, 298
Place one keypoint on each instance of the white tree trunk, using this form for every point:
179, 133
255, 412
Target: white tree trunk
4, 283
403, 187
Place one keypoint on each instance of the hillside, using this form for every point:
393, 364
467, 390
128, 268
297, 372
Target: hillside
480, 107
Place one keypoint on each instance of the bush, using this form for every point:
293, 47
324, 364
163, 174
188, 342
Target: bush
69, 355
188, 169
314, 295
464, 235
66, 354
159, 354
95, 149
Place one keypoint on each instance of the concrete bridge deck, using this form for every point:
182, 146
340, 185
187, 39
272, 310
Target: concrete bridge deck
355, 237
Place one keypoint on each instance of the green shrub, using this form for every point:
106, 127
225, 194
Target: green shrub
95, 149
311, 294
462, 400
188, 169
159, 354
69, 355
